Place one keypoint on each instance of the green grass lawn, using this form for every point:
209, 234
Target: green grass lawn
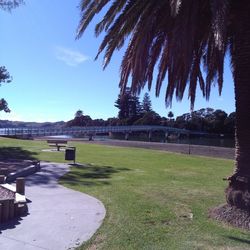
154, 199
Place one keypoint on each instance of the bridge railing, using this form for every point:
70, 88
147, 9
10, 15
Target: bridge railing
88, 130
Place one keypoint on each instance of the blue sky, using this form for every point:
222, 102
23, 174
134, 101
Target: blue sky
54, 75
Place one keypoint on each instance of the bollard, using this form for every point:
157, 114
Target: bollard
16, 211
11, 209
5, 210
20, 185
2, 179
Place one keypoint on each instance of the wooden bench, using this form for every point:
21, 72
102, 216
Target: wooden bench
57, 143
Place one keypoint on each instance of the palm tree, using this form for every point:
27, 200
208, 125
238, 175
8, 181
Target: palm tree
179, 37
146, 103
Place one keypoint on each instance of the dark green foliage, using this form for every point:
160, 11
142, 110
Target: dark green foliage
78, 113
112, 121
207, 120
230, 123
4, 78
129, 107
83, 120
149, 118
4, 106
4, 75
146, 103
170, 114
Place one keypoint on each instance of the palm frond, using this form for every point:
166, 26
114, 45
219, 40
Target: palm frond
90, 9
177, 36
109, 17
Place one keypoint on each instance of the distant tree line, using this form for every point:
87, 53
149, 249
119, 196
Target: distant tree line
35, 125
133, 112
207, 120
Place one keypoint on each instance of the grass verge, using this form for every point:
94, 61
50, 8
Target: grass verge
154, 199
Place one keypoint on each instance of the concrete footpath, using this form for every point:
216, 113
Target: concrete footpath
58, 218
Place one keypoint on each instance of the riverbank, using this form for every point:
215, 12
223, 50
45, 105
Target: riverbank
210, 151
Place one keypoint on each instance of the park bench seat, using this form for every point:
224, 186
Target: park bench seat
57, 143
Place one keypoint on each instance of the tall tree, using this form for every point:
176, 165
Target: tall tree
229, 123
78, 113
129, 106
80, 120
146, 103
182, 35
170, 114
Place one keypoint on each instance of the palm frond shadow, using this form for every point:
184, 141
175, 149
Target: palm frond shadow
90, 175
239, 239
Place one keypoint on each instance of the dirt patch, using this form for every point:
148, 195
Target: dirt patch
97, 243
231, 215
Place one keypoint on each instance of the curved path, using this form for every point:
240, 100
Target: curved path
59, 218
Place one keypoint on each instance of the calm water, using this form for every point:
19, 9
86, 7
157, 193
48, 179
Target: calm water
218, 142
226, 142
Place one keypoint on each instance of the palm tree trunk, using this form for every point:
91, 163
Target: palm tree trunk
238, 191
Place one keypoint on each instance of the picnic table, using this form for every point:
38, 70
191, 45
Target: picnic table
57, 143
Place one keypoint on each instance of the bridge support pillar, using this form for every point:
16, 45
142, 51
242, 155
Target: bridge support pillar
126, 136
90, 137
166, 136
150, 135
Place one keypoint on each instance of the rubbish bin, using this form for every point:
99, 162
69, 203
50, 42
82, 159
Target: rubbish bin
70, 154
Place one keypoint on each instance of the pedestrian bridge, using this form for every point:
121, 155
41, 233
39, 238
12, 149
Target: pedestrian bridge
94, 130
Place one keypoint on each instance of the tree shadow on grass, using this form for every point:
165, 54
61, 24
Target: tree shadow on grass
90, 175
239, 239
16, 153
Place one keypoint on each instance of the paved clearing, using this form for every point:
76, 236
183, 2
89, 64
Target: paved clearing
59, 218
